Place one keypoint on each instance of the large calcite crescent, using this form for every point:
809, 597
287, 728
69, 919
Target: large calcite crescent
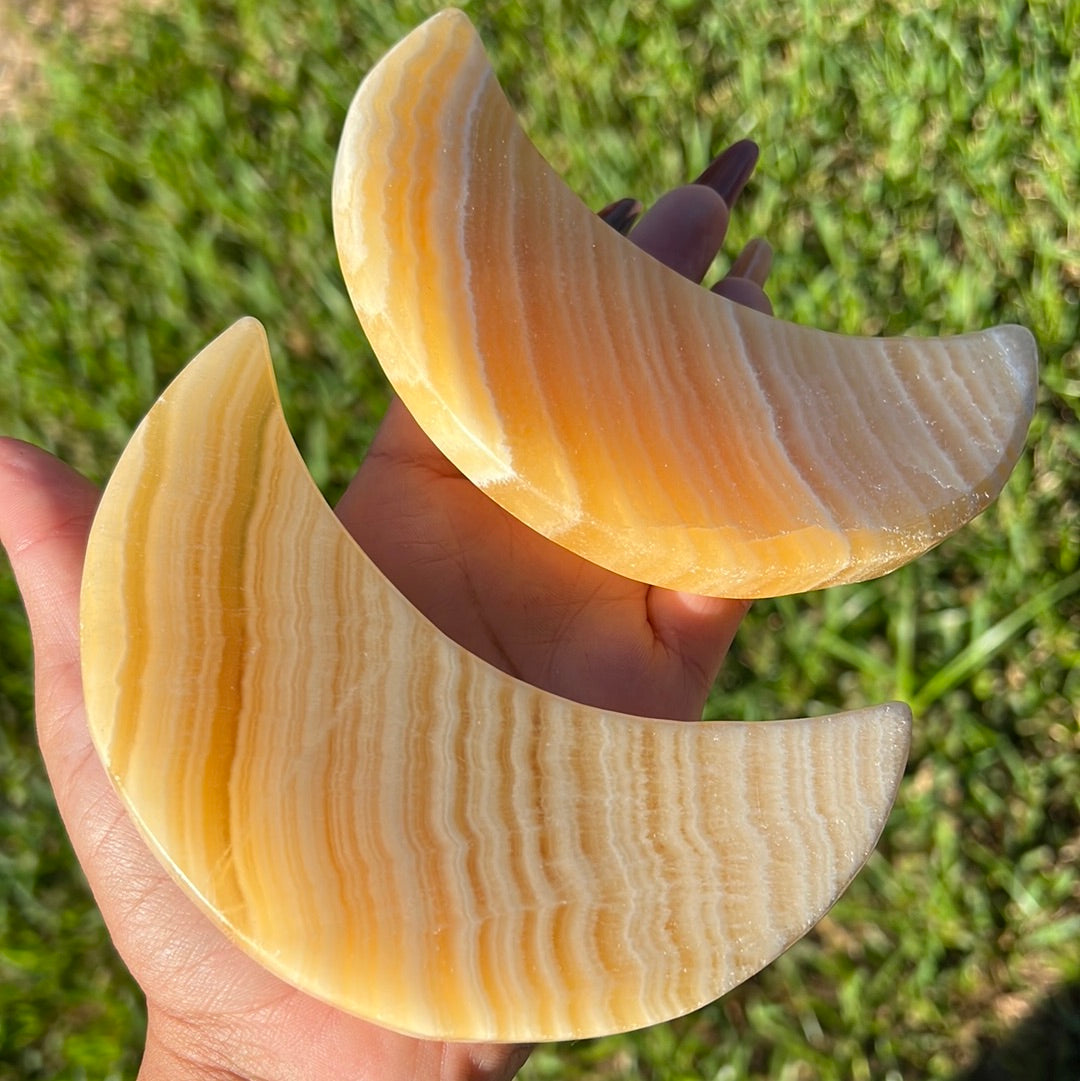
390, 823
641, 421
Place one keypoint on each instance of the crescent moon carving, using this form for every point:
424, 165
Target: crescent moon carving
639, 420
395, 826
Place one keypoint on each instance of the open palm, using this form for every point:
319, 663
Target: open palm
499, 589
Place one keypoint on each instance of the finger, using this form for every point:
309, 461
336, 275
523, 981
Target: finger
684, 229
729, 171
747, 293
46, 510
727, 175
754, 262
45, 514
697, 629
745, 280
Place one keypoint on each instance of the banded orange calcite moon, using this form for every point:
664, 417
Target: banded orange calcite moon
393, 825
641, 421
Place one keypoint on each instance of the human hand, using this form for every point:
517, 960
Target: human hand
515, 598
502, 591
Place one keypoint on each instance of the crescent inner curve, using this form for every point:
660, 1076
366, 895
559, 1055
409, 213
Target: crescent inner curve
395, 826
641, 421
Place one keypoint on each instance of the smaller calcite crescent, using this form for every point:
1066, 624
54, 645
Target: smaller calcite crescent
395, 826
641, 421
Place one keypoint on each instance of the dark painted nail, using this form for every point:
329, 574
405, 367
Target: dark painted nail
754, 262
622, 214
729, 171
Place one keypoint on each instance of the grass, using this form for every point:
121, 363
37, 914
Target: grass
920, 170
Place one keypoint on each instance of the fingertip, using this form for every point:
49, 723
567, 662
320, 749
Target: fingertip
20, 460
745, 293
714, 619
754, 262
41, 498
696, 606
684, 229
45, 513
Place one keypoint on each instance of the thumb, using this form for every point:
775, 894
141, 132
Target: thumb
46, 510
700, 630
45, 513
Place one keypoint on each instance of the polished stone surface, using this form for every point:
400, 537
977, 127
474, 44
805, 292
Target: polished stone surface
394, 825
643, 422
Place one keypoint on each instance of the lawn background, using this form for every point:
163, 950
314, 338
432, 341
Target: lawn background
163, 172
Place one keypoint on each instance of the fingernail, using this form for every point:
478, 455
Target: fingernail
729, 171
754, 262
622, 214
